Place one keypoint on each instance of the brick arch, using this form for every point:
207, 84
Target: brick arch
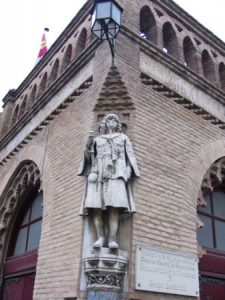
26, 175
23, 107
43, 84
54, 72
148, 28
190, 54
222, 75
15, 116
81, 42
200, 165
208, 66
170, 40
67, 57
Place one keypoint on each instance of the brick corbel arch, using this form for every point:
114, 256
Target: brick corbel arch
207, 164
26, 177
200, 164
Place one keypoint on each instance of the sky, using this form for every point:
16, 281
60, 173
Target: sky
22, 23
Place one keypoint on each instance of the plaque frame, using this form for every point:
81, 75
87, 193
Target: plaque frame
166, 271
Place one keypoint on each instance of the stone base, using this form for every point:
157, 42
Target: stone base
105, 271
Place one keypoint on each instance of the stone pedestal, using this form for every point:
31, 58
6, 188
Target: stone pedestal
105, 270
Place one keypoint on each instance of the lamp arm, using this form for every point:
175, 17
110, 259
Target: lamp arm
110, 41
112, 46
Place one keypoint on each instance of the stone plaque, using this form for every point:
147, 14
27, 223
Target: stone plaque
166, 272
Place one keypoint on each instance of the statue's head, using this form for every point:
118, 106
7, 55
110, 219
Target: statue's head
106, 119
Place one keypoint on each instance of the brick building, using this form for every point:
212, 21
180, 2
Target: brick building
167, 86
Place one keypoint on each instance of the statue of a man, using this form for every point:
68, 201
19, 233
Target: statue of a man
109, 163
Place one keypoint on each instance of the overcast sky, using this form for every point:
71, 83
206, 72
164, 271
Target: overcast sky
22, 23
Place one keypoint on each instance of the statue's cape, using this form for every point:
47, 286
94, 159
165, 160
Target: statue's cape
131, 157
85, 166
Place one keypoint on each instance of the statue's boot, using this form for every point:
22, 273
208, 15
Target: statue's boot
99, 243
113, 245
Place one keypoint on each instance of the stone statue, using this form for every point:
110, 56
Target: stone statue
109, 164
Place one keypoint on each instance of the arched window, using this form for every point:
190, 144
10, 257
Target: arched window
222, 75
148, 27
190, 54
67, 57
21, 214
20, 265
208, 66
15, 116
213, 217
54, 72
33, 94
170, 42
43, 84
23, 107
211, 235
81, 43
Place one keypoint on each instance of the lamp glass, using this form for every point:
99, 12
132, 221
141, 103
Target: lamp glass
116, 13
106, 18
97, 29
103, 10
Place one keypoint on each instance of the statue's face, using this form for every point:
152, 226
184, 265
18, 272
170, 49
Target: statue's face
111, 123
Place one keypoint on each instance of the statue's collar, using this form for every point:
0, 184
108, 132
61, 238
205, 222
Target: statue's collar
110, 136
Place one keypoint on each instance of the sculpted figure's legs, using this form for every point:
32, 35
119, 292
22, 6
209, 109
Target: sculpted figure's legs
113, 224
98, 223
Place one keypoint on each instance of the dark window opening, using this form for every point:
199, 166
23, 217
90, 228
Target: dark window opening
222, 75
148, 29
170, 42
208, 66
81, 43
67, 58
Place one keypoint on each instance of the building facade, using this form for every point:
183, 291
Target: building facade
167, 87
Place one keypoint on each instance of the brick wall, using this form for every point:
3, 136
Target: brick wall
174, 148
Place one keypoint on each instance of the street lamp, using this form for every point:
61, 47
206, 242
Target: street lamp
106, 19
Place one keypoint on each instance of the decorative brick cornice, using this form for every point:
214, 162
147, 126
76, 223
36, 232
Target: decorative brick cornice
83, 13
187, 104
192, 24
114, 94
56, 86
174, 65
10, 96
78, 92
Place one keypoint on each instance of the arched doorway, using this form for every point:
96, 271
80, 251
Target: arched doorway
20, 231
20, 265
211, 236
